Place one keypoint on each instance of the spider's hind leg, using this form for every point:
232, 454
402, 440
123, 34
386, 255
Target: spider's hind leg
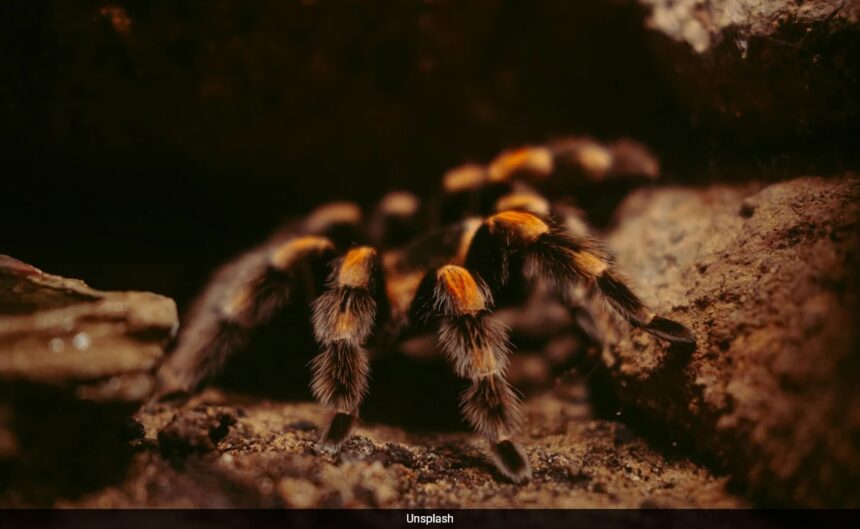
241, 296
477, 346
345, 317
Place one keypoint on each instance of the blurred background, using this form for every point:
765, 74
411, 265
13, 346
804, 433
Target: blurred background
144, 142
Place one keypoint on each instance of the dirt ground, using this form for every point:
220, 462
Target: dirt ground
223, 450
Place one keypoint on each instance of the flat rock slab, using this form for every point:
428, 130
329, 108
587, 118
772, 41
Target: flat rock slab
767, 278
60, 332
240, 452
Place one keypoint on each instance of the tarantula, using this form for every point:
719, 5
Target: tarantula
373, 285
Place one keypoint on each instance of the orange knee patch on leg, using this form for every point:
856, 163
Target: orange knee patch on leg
595, 158
525, 226
331, 214
537, 160
464, 178
399, 203
462, 288
356, 267
289, 253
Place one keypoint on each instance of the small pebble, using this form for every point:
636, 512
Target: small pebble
747, 209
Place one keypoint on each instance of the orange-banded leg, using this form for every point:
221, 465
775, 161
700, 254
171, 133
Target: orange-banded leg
345, 318
472, 189
551, 252
570, 219
241, 296
477, 346
565, 215
580, 157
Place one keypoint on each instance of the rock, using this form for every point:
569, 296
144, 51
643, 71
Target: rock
767, 279
196, 431
762, 68
75, 363
60, 332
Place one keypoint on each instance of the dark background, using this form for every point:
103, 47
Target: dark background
144, 142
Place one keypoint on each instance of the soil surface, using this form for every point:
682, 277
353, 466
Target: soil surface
223, 450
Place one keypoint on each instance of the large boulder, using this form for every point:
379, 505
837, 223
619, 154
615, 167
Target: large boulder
767, 278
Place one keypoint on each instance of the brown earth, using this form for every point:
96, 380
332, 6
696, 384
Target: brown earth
223, 450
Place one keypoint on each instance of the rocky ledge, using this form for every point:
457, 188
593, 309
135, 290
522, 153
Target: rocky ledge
767, 278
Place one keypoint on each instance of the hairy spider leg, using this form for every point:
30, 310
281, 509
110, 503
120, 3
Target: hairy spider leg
551, 252
240, 296
345, 317
477, 346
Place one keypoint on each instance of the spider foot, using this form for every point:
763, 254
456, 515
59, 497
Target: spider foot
511, 461
337, 432
671, 330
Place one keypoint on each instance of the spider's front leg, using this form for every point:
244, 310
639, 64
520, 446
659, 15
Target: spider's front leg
571, 220
345, 318
514, 238
477, 346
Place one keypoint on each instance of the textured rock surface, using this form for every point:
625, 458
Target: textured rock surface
263, 453
61, 332
765, 68
767, 278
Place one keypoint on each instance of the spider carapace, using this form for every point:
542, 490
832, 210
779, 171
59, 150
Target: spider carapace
371, 284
